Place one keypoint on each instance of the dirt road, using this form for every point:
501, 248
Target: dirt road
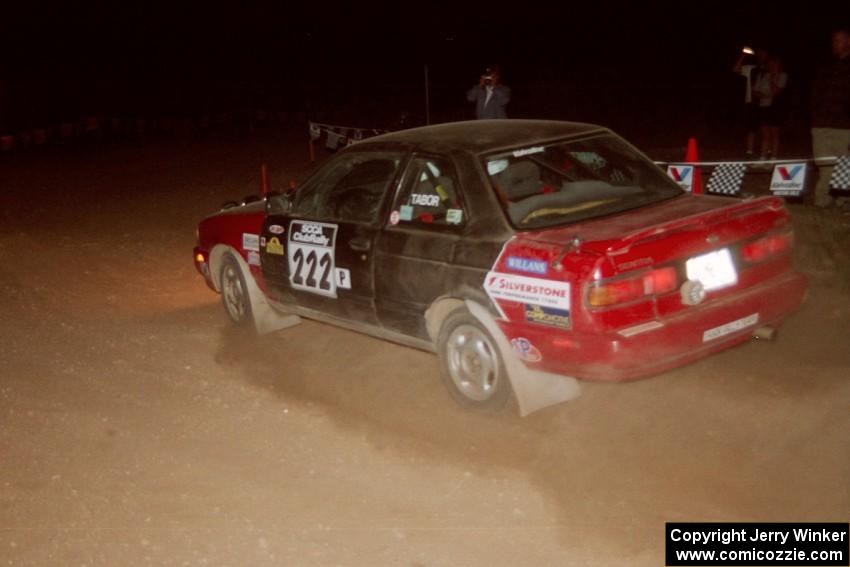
137, 428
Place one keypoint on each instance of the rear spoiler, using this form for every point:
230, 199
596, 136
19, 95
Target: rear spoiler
698, 219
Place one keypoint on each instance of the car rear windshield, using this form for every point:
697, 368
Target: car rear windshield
565, 182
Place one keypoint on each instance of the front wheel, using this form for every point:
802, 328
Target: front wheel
234, 292
472, 367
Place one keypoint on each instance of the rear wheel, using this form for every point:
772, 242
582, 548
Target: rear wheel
234, 292
472, 367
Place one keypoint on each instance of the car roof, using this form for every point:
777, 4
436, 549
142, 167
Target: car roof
481, 136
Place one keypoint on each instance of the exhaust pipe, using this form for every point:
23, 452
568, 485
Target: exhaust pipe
764, 333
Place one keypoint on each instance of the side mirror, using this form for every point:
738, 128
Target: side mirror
278, 203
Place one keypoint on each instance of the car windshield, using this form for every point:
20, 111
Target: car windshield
564, 182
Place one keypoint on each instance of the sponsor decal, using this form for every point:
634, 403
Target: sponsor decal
788, 180
253, 258
405, 213
343, 278
425, 200
394, 218
547, 316
521, 264
533, 291
311, 257
496, 166
276, 229
262, 242
683, 175
312, 233
250, 242
526, 350
454, 216
528, 151
728, 328
273, 246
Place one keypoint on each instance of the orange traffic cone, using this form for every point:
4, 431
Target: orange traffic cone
692, 157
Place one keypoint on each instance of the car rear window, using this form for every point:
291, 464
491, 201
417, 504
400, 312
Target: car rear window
564, 182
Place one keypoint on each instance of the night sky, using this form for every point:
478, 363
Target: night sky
114, 37
374, 52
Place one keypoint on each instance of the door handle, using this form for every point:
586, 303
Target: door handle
360, 244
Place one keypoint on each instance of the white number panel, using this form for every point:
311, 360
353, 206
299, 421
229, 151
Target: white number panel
311, 257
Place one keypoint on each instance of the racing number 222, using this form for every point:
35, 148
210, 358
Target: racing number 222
312, 260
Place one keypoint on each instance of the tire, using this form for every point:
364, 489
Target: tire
471, 365
234, 292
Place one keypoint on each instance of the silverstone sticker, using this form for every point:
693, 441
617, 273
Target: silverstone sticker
521, 264
405, 213
394, 218
250, 242
276, 229
425, 200
532, 291
526, 350
273, 246
311, 257
788, 179
253, 258
454, 216
547, 316
343, 278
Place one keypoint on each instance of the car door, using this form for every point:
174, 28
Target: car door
319, 256
420, 253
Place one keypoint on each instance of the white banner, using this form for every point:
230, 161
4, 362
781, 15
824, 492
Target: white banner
788, 179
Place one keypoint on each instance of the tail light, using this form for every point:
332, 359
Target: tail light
767, 247
626, 290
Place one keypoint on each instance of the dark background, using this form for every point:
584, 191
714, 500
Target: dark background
656, 73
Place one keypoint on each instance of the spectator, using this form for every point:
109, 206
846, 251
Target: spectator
490, 95
831, 112
768, 91
750, 65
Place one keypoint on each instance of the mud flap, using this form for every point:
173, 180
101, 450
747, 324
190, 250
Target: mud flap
267, 319
534, 389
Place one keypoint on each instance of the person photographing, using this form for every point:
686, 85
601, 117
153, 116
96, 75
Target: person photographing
490, 95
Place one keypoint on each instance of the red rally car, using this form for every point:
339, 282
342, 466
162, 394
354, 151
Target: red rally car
508, 246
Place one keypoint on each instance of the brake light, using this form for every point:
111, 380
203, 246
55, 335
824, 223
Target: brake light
625, 290
763, 248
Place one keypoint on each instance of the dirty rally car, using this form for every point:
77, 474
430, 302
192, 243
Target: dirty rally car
521, 252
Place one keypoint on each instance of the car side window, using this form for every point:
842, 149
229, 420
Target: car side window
430, 195
349, 188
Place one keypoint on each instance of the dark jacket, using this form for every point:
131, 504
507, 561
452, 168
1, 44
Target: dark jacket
495, 107
831, 96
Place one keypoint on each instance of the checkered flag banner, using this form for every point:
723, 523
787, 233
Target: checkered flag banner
840, 174
336, 136
726, 178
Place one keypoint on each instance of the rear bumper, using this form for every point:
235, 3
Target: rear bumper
677, 341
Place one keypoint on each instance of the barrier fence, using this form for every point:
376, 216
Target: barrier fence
789, 177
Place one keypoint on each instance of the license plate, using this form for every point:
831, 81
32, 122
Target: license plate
714, 270
736, 325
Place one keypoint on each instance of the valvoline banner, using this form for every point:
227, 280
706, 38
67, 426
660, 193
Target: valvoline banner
683, 175
789, 179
